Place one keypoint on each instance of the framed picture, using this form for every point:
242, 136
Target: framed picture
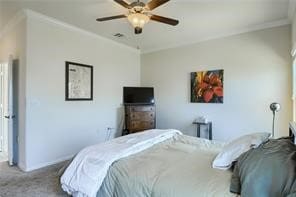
79, 82
207, 86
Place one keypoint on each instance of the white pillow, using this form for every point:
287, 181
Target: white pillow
235, 148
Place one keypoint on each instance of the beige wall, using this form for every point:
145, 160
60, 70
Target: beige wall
13, 42
257, 72
294, 32
1, 17
257, 68
294, 64
57, 129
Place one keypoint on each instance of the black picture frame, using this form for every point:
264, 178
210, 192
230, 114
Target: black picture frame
68, 96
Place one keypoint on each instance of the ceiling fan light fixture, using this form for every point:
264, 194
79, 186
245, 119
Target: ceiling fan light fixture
139, 13
138, 20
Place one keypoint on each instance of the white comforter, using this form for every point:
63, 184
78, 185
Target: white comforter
86, 173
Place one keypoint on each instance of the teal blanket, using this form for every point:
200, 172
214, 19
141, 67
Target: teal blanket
267, 171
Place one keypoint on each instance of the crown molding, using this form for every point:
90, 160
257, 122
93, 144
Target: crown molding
14, 21
20, 16
32, 14
26, 13
223, 35
291, 16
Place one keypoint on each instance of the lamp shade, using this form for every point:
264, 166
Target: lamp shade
275, 107
138, 19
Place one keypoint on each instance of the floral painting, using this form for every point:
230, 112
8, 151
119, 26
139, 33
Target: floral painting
207, 86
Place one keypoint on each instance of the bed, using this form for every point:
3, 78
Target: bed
177, 167
165, 163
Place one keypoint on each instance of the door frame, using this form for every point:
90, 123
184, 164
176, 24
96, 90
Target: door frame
3, 138
8, 110
294, 87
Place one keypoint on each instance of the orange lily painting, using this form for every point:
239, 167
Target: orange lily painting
207, 86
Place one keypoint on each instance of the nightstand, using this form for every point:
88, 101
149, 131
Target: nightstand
208, 125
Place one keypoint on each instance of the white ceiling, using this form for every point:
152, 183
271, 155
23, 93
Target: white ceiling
199, 19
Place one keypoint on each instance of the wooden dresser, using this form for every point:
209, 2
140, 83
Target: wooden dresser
139, 118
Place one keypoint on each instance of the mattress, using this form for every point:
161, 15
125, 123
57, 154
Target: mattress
178, 167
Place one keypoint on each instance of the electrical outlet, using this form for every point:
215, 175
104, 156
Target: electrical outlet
109, 133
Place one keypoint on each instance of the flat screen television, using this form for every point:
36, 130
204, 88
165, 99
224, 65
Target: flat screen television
138, 95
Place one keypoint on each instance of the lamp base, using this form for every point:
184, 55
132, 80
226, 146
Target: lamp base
273, 119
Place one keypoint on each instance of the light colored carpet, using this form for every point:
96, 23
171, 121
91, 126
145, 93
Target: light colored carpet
38, 183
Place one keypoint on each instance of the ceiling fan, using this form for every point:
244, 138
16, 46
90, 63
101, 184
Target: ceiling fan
139, 14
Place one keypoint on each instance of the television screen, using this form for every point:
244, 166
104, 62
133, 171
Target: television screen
138, 95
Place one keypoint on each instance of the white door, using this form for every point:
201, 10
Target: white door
9, 116
2, 136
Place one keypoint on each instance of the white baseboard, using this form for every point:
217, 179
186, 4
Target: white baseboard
21, 166
45, 164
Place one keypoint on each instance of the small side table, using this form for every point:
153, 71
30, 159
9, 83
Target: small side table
208, 124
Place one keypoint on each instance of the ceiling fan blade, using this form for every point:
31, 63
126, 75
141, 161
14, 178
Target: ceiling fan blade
110, 18
165, 20
123, 3
155, 3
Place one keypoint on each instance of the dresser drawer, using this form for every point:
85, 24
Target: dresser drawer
140, 125
141, 108
143, 116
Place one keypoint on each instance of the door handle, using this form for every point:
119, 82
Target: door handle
9, 117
